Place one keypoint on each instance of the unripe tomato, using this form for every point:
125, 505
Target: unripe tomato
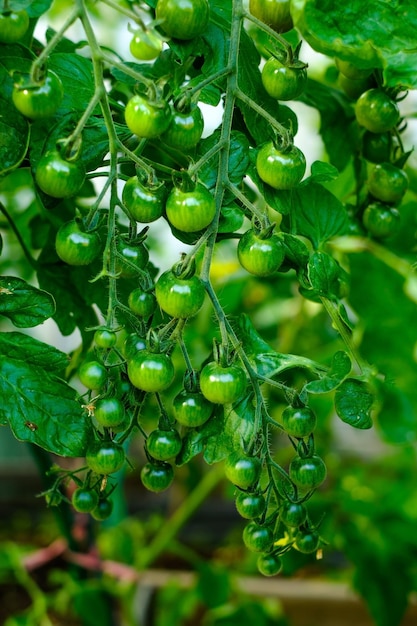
260, 256
109, 412
307, 473
75, 246
350, 70
376, 147
269, 564
307, 542
142, 303
274, 13
58, 177
250, 505
388, 183
145, 118
39, 101
13, 26
103, 510
179, 297
380, 220
84, 500
242, 470
281, 169
183, 19
282, 81
150, 372
145, 45
257, 538
185, 129
222, 385
130, 258
133, 344
157, 477
293, 514
145, 204
162, 445
376, 111
105, 457
298, 421
92, 374
105, 338
191, 408
190, 211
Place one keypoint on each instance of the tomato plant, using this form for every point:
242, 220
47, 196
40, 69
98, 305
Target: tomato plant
179, 297
103, 510
275, 13
281, 168
146, 118
145, 45
84, 500
299, 422
144, 203
242, 470
162, 445
13, 26
250, 505
257, 538
157, 477
269, 564
183, 19
38, 100
260, 255
57, 176
376, 111
185, 129
281, 81
105, 457
380, 220
388, 183
151, 371
75, 246
307, 472
191, 408
190, 210
222, 385
131, 258
109, 412
142, 303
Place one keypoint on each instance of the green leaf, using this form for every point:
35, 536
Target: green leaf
238, 158
213, 584
24, 304
397, 416
326, 276
34, 8
76, 74
382, 34
353, 403
340, 369
209, 438
322, 172
20, 347
14, 136
42, 409
240, 423
231, 219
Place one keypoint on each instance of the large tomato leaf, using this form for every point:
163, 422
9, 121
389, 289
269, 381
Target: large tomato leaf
24, 304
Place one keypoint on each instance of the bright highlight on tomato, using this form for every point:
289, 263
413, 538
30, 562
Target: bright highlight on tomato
280, 168
183, 19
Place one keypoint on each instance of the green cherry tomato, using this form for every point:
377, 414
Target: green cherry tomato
109, 412
179, 297
75, 246
163, 444
150, 372
281, 169
190, 211
191, 408
350, 70
274, 13
250, 505
307, 473
281, 81
376, 147
380, 220
41, 100
388, 183
376, 111
145, 45
183, 19
133, 344
185, 129
105, 457
13, 26
354, 88
307, 542
293, 514
103, 510
222, 385
92, 374
147, 119
84, 500
145, 204
242, 470
157, 477
257, 538
131, 258
105, 338
299, 422
269, 564
142, 303
260, 256
58, 177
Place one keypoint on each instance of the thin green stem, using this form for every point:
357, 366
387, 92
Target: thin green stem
43, 57
111, 61
269, 31
260, 215
207, 81
18, 236
123, 10
97, 96
206, 157
284, 132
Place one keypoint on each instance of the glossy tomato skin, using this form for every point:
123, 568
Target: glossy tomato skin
242, 470
299, 421
307, 542
388, 183
250, 505
274, 13
376, 111
133, 344
145, 45
58, 177
92, 374
13, 26
185, 129
84, 500
222, 385
179, 297
307, 473
105, 338
376, 147
281, 81
293, 514
157, 477
162, 445
269, 564
75, 246
351, 71
144, 204
147, 119
109, 412
130, 258
380, 220
257, 538
142, 303
105, 457
103, 510
260, 256
41, 101
281, 169
190, 211
151, 372
183, 19
191, 409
